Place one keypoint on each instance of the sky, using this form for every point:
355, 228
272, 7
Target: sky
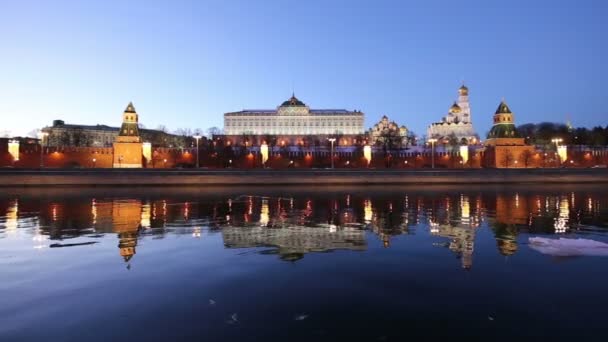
185, 63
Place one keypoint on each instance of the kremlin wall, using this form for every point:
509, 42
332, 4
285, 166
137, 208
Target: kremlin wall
296, 137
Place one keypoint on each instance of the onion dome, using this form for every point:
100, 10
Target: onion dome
455, 108
463, 90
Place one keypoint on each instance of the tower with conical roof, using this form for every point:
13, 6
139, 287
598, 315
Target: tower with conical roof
504, 147
504, 125
128, 146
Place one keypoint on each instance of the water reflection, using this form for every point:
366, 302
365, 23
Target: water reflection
305, 222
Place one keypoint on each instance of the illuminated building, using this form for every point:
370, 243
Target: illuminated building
457, 122
61, 134
128, 147
293, 117
388, 132
504, 147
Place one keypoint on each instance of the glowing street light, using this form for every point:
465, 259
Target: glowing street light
561, 152
332, 140
42, 135
432, 141
556, 141
197, 137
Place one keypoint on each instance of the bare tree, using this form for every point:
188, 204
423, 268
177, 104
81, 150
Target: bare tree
212, 131
33, 133
184, 132
507, 158
162, 128
526, 157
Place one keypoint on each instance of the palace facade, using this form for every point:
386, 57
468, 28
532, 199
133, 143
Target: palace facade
61, 134
457, 122
293, 117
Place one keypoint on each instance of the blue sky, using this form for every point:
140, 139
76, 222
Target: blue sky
185, 63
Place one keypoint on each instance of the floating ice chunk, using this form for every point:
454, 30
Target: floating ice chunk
234, 318
568, 247
300, 317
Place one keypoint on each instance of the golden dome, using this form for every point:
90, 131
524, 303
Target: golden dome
463, 90
455, 108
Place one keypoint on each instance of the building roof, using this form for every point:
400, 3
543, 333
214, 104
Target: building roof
503, 108
254, 112
293, 102
130, 108
503, 131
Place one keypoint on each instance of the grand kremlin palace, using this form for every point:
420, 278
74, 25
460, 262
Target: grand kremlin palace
294, 118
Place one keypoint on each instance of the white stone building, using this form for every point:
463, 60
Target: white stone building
458, 121
293, 117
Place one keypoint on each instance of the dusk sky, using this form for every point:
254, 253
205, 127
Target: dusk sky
185, 63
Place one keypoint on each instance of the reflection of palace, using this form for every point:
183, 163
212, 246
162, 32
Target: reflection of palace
294, 241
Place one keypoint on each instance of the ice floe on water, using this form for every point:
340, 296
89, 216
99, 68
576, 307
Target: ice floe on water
568, 247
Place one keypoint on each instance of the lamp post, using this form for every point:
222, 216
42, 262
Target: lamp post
432, 141
42, 135
332, 140
197, 137
94, 162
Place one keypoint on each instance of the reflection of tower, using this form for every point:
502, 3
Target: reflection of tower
126, 220
563, 214
264, 213
462, 241
12, 215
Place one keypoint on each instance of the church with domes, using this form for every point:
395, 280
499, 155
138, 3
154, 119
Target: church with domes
457, 122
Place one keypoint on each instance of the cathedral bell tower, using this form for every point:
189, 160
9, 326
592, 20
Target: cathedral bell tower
128, 145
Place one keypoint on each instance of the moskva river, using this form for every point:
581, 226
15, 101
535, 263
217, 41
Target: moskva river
303, 263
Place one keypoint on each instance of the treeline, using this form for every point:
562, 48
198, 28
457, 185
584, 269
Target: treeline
543, 133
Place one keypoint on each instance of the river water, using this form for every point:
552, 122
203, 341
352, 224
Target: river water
303, 263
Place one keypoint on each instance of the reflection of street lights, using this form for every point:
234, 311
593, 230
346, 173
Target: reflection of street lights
42, 135
432, 141
332, 140
197, 137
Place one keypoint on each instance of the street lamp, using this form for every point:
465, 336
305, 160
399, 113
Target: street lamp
197, 137
332, 140
94, 162
42, 135
432, 141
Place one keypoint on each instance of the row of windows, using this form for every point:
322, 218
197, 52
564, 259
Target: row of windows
292, 123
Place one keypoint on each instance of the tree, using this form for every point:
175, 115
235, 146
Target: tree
162, 128
34, 133
526, 157
213, 131
507, 158
184, 132
453, 141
